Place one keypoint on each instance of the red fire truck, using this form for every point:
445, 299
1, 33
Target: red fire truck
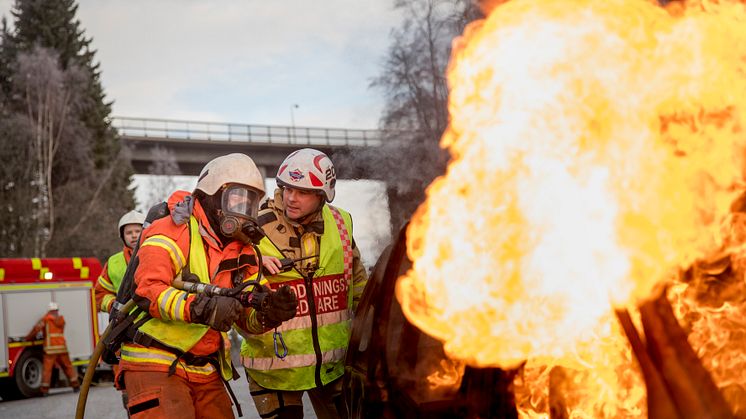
26, 288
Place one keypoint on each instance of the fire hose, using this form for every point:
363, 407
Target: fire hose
126, 313
191, 287
120, 327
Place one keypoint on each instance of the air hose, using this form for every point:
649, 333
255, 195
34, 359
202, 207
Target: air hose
95, 357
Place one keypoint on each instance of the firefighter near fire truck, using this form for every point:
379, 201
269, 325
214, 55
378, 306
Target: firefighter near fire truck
27, 286
52, 329
309, 247
194, 275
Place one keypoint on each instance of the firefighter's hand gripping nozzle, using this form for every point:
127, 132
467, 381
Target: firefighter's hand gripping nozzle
287, 264
273, 308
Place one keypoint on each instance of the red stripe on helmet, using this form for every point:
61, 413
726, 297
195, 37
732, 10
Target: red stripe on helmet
282, 169
316, 161
314, 180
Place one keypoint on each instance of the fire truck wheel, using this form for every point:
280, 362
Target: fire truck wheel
28, 373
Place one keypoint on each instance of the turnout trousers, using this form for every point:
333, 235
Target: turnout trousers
155, 395
327, 401
63, 361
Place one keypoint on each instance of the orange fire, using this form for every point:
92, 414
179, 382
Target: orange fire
596, 148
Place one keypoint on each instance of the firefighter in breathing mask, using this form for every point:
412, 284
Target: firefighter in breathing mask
328, 278
178, 363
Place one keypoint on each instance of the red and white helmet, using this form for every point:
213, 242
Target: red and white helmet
308, 169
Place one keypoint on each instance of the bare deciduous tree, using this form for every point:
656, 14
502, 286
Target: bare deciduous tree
54, 116
161, 184
47, 92
415, 116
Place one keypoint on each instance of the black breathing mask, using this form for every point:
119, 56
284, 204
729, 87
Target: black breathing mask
239, 208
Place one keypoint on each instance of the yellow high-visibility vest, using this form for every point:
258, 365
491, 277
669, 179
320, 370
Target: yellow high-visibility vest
324, 309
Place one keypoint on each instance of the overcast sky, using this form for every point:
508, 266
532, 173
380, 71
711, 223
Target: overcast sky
249, 61
245, 61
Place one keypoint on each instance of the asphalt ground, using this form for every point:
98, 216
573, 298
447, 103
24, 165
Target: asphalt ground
105, 402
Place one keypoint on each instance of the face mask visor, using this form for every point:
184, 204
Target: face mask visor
240, 201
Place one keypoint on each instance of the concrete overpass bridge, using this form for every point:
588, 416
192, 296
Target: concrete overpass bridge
194, 143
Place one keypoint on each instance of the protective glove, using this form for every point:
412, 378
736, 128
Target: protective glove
217, 312
277, 307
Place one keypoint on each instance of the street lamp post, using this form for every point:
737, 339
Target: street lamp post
292, 122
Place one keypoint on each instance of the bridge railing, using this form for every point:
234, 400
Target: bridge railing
261, 134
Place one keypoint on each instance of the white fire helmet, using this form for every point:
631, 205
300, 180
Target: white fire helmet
132, 217
308, 169
52, 306
232, 169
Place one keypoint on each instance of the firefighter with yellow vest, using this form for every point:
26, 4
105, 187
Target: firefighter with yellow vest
107, 285
130, 226
328, 278
178, 363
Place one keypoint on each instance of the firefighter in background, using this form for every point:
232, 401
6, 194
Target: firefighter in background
130, 226
52, 326
178, 363
299, 224
107, 285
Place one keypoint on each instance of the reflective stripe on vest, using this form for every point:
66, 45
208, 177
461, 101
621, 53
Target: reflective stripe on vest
115, 268
333, 302
156, 356
175, 333
54, 337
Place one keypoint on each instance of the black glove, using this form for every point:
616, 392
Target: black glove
217, 312
277, 307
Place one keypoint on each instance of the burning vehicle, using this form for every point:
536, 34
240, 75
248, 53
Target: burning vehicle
583, 255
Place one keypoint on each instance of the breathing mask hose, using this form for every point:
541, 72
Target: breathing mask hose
258, 254
95, 357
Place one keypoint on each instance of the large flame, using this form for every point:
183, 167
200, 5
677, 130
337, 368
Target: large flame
596, 147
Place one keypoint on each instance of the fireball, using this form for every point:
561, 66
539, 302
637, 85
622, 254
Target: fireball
596, 149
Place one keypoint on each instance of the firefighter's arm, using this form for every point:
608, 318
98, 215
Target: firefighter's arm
160, 260
37, 328
359, 276
104, 290
278, 306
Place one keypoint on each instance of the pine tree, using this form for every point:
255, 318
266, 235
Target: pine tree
52, 24
7, 52
91, 173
